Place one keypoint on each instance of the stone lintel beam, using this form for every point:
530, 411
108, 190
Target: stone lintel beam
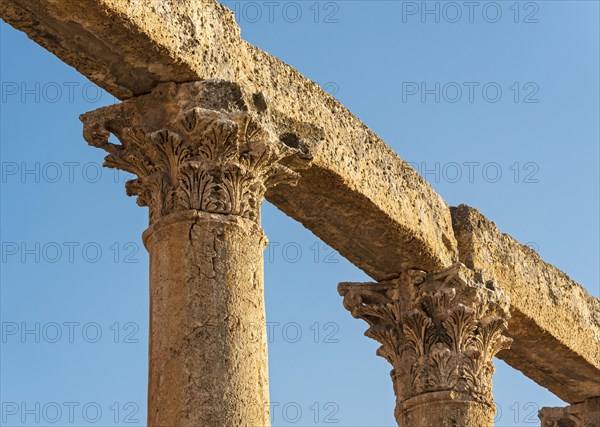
555, 322
359, 196
584, 414
440, 332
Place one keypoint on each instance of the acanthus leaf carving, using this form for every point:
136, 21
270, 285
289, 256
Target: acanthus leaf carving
439, 331
212, 161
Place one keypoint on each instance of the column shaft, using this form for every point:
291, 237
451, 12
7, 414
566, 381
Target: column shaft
204, 154
444, 408
208, 347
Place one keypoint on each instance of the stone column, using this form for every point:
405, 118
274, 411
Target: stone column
440, 332
204, 155
584, 414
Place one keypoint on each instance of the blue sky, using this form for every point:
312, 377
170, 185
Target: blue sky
498, 110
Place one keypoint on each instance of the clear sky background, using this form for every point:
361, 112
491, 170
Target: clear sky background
75, 273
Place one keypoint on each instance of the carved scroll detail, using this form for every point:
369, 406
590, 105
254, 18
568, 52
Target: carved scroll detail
438, 331
205, 160
583, 414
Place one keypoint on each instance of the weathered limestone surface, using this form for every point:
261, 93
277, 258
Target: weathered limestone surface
204, 157
585, 414
358, 195
207, 358
555, 322
440, 332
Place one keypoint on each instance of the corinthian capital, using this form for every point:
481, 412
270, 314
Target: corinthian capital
193, 146
439, 330
584, 414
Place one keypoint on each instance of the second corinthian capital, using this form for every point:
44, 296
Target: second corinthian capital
440, 332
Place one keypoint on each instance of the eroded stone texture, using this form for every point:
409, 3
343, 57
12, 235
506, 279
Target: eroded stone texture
440, 332
204, 159
208, 346
555, 323
585, 414
359, 196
